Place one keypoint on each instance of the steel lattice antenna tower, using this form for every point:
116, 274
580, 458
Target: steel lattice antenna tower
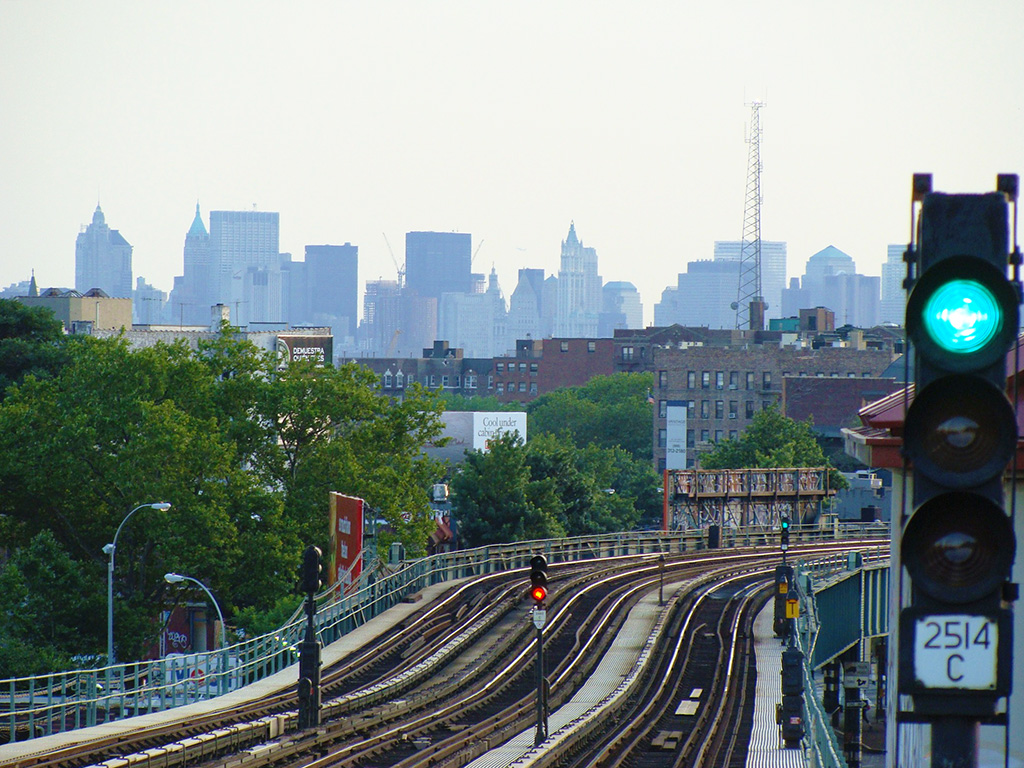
749, 288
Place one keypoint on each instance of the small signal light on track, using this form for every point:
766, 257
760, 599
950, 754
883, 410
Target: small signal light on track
538, 593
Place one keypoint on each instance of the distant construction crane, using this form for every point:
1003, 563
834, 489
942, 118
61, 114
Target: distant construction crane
399, 269
750, 305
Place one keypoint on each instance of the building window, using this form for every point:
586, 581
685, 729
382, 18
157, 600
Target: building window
490, 381
733, 434
734, 379
533, 369
719, 409
662, 437
522, 386
433, 380
691, 409
866, 375
719, 380
705, 435
387, 379
565, 346
748, 409
522, 367
690, 438
456, 381
766, 404
500, 388
399, 380
766, 380
663, 379
705, 409
499, 367
718, 435
591, 346
733, 409
627, 353
662, 409
444, 381
705, 379
533, 387
470, 381
750, 379
691, 379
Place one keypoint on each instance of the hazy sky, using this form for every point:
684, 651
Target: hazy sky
504, 120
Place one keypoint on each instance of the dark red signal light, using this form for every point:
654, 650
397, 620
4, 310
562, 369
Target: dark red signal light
538, 593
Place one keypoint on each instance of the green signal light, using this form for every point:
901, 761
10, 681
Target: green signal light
962, 316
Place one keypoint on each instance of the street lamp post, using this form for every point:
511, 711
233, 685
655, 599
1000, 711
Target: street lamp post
177, 578
109, 550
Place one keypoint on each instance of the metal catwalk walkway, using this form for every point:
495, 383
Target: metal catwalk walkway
765, 750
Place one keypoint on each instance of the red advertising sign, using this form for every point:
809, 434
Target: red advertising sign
346, 539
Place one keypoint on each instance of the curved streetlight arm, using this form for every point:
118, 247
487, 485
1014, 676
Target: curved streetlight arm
109, 550
177, 578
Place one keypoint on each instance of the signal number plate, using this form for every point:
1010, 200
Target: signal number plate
956, 651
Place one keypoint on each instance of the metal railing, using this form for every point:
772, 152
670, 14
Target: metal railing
47, 704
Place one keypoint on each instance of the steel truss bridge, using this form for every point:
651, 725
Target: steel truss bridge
733, 498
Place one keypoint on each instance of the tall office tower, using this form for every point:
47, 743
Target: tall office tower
245, 264
148, 304
332, 287
773, 269
579, 290
703, 296
193, 293
381, 326
438, 262
474, 322
831, 280
894, 301
620, 308
103, 259
526, 308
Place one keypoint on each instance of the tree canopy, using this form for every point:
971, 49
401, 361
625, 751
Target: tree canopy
772, 440
245, 448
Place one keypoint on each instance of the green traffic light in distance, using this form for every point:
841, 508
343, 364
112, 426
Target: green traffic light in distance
962, 316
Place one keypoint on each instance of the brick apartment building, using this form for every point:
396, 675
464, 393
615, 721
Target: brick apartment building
723, 387
539, 366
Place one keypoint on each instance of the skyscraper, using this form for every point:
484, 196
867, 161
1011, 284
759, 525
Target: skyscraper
621, 308
579, 290
245, 264
193, 293
773, 269
894, 301
330, 286
103, 259
438, 262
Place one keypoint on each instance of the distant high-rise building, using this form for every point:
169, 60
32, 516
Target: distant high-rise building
148, 304
773, 270
620, 308
703, 296
103, 259
438, 262
245, 264
526, 308
579, 290
831, 280
193, 292
894, 300
327, 288
474, 322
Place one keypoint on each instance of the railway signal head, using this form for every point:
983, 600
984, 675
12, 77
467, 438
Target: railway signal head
311, 568
961, 430
784, 531
538, 578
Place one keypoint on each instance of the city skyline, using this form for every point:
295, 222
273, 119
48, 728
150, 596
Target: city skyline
354, 121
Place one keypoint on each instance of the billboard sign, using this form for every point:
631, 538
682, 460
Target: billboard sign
471, 431
319, 349
675, 435
346, 546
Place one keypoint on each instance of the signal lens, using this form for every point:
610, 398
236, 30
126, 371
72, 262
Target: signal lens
967, 431
958, 547
538, 594
962, 316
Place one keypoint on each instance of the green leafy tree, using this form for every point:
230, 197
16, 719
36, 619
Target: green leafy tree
495, 499
772, 440
31, 343
608, 411
453, 402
